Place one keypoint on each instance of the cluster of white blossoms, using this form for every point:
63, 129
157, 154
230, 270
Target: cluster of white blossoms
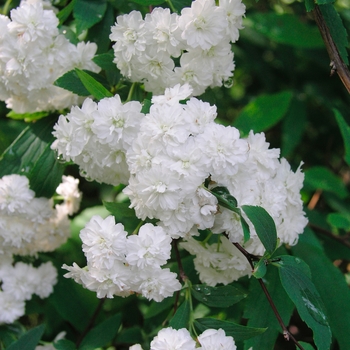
33, 55
171, 152
172, 339
19, 282
120, 265
29, 225
199, 40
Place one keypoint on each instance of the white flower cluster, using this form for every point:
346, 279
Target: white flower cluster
29, 225
146, 49
33, 55
120, 265
178, 146
19, 282
172, 339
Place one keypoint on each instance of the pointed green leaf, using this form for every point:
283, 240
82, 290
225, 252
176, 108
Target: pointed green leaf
263, 112
105, 61
92, 85
225, 198
29, 340
66, 11
306, 346
71, 82
27, 117
295, 278
224, 296
336, 29
156, 308
30, 155
260, 268
234, 330
102, 334
246, 230
345, 131
264, 226
182, 316
64, 344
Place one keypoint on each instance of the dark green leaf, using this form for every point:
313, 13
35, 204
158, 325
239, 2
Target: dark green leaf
182, 316
264, 112
260, 268
66, 11
148, 2
323, 179
146, 105
345, 131
29, 340
295, 278
306, 346
330, 283
102, 334
336, 29
88, 12
264, 226
130, 335
224, 198
156, 308
339, 220
310, 5
259, 313
71, 82
27, 117
105, 61
286, 29
234, 330
180, 4
64, 344
324, 2
246, 230
95, 88
30, 155
224, 296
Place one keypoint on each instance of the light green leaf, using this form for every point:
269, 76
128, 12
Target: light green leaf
234, 330
30, 155
345, 131
29, 340
323, 179
182, 316
295, 278
264, 226
286, 29
264, 112
336, 29
338, 220
88, 12
66, 11
95, 88
102, 334
224, 296
27, 117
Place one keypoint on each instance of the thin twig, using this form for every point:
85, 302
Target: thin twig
182, 274
340, 239
91, 322
286, 334
314, 199
337, 63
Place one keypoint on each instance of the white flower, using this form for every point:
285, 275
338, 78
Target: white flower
47, 276
212, 339
11, 308
172, 339
68, 189
174, 95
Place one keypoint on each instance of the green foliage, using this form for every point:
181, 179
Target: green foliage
29, 340
182, 316
345, 131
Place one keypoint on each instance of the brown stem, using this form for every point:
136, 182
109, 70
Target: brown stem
91, 322
314, 199
286, 334
342, 240
337, 63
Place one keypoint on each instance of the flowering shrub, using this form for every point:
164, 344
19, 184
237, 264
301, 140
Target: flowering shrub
201, 239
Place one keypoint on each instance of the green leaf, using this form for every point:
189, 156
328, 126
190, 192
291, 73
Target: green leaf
259, 313
156, 308
330, 283
238, 332
105, 61
264, 112
182, 316
180, 4
260, 268
286, 29
345, 131
88, 12
309, 5
30, 155
338, 220
29, 340
64, 344
130, 335
71, 82
224, 296
323, 179
224, 198
336, 29
306, 346
146, 105
27, 117
264, 226
295, 278
102, 334
148, 2
324, 2
92, 85
246, 230
66, 11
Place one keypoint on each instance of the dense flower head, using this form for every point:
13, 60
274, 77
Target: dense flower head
198, 40
33, 55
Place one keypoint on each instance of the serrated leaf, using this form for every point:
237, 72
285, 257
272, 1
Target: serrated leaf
30, 155
286, 29
217, 296
336, 29
95, 88
323, 179
303, 293
238, 332
264, 112
102, 334
264, 226
64, 344
88, 12
182, 316
29, 340
345, 131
